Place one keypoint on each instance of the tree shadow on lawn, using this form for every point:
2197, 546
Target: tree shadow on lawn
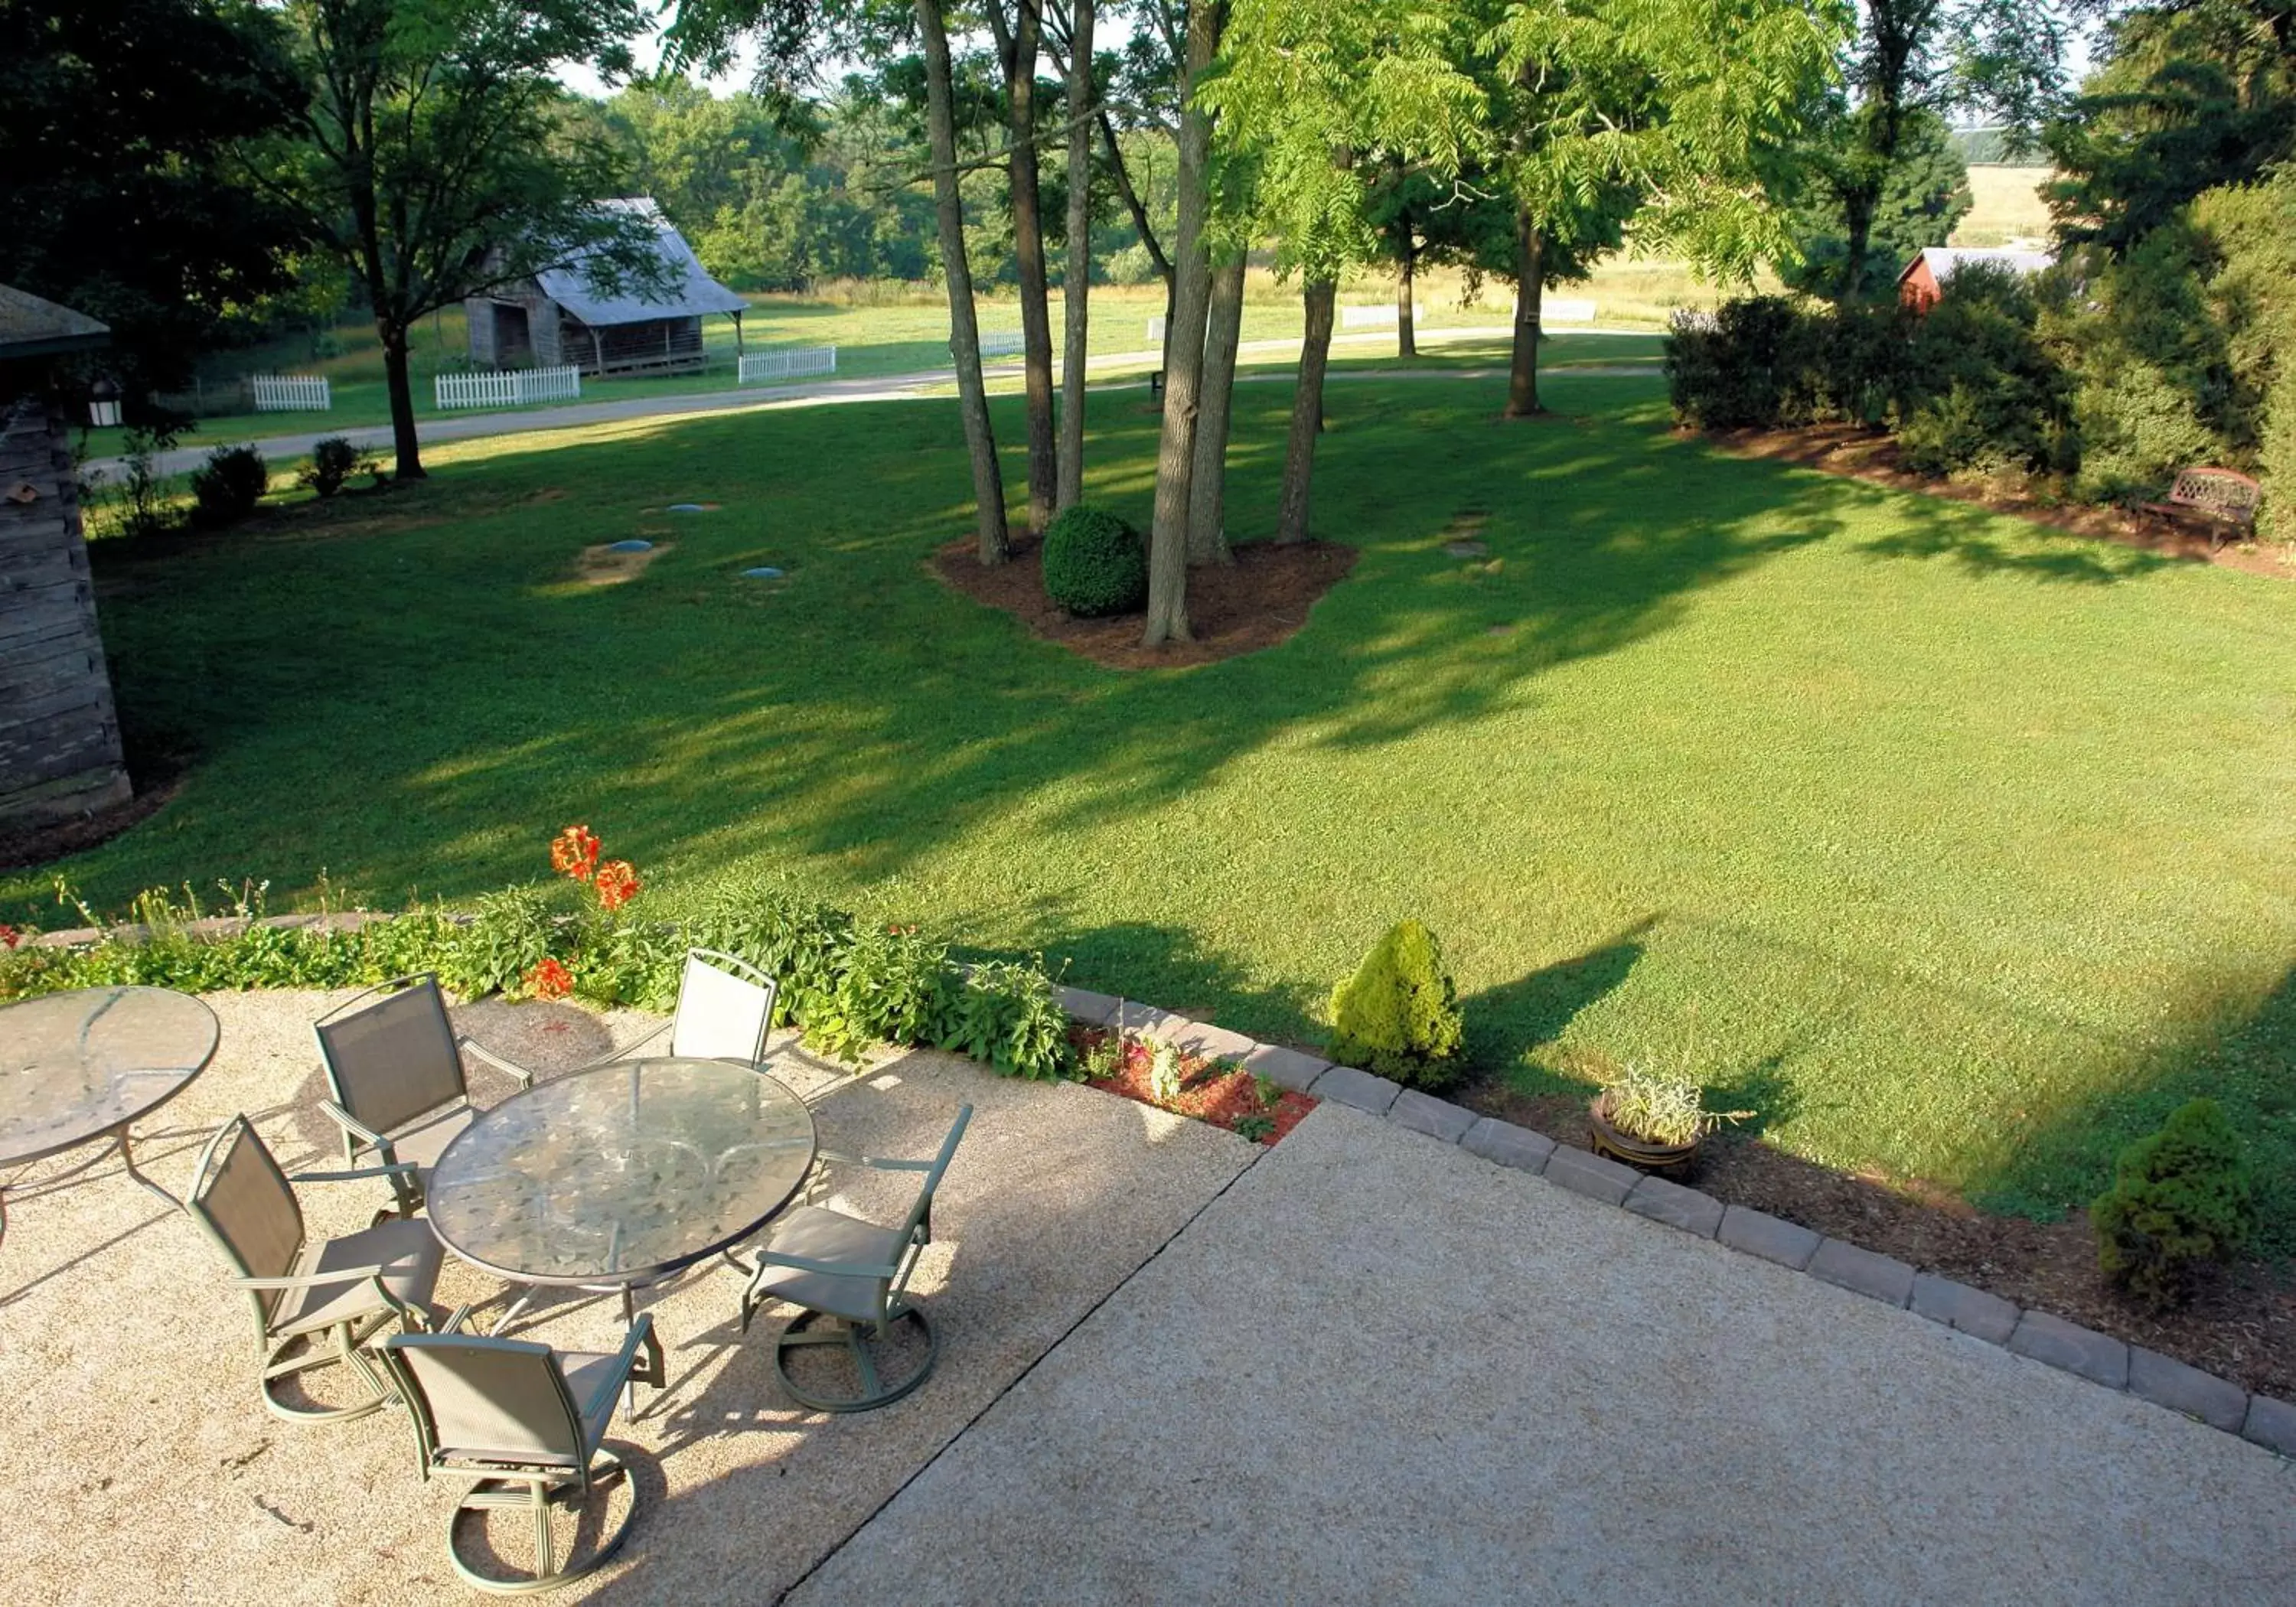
1971, 538
1506, 1024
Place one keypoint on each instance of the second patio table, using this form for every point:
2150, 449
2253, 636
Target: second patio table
621, 1174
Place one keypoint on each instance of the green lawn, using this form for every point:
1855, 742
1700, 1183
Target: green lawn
1960, 850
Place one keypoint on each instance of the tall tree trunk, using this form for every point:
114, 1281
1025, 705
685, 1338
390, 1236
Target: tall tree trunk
1407, 286
1307, 412
965, 329
1076, 285
1207, 484
1530, 285
1028, 260
1167, 537
405, 446
1858, 203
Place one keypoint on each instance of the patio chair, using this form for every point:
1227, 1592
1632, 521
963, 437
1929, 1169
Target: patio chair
851, 1279
725, 1011
330, 1298
395, 1067
525, 1424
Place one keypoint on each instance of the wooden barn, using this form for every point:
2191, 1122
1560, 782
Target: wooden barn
559, 317
59, 755
1923, 278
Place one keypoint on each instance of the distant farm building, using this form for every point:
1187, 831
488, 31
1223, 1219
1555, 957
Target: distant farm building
559, 317
59, 738
1923, 279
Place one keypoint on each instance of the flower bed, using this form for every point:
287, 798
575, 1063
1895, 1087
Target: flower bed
1165, 1076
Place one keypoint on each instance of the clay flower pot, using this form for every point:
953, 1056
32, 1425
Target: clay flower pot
1647, 1153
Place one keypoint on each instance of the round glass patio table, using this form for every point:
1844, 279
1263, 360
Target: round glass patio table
84, 1065
621, 1174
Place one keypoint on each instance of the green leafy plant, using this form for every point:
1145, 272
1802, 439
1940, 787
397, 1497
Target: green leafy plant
1164, 1079
2181, 1198
1258, 1128
1270, 1091
227, 488
1094, 563
1661, 1109
509, 935
1398, 1015
333, 460
1104, 1059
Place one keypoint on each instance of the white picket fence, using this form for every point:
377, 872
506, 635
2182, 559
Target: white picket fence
1003, 343
1565, 309
291, 392
1382, 316
514, 389
790, 363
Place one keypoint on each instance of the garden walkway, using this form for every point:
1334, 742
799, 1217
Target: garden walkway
1364, 1365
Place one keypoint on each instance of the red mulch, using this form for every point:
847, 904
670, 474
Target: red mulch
1209, 1090
2241, 1327
1871, 456
1257, 601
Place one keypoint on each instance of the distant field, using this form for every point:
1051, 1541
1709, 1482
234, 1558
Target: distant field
2009, 206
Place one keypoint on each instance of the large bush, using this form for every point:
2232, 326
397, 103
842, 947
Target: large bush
1977, 390
1094, 563
333, 460
1398, 1015
1761, 362
2252, 228
229, 484
2180, 1199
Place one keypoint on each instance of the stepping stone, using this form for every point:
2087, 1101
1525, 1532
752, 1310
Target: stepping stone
1466, 549
692, 507
764, 572
631, 545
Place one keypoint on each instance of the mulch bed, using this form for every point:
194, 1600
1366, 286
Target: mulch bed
2241, 1327
1257, 601
1210, 1091
1871, 456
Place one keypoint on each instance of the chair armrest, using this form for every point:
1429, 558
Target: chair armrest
312, 1280
641, 1333
402, 1168
835, 1269
353, 1126
477, 1051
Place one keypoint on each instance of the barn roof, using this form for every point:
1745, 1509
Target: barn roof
692, 293
1943, 261
31, 326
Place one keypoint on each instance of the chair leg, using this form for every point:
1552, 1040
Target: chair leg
810, 1328
345, 1351
540, 1496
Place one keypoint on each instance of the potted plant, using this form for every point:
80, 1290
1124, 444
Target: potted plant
1656, 1123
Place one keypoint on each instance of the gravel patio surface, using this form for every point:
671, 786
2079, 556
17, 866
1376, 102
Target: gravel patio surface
143, 1465
1379, 1369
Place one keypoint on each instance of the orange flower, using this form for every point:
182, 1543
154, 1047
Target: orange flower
618, 883
550, 980
9, 935
573, 852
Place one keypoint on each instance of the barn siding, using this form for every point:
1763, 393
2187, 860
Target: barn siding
58, 734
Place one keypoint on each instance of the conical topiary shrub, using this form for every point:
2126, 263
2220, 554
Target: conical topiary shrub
2180, 1198
1398, 1015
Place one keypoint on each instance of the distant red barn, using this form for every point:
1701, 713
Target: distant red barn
1923, 279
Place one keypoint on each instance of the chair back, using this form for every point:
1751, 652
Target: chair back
920, 1213
486, 1402
243, 1204
393, 1059
724, 1009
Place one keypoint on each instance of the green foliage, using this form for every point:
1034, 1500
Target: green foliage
1977, 390
1094, 563
1008, 1015
1922, 194
333, 460
229, 484
1254, 1127
508, 935
2181, 1198
1163, 1071
1661, 1109
1398, 1015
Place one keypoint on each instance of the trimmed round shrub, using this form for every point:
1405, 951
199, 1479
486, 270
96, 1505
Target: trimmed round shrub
2181, 1198
1398, 1015
229, 484
333, 460
1094, 563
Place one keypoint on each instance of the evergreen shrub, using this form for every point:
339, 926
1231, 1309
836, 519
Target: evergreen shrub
1398, 1015
229, 484
2181, 1198
1094, 563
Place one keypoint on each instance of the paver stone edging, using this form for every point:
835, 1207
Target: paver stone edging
2036, 1335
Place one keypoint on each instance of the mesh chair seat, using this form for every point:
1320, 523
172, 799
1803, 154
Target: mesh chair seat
409, 1253
817, 1233
422, 1145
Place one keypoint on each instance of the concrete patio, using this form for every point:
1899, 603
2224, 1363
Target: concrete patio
1361, 1366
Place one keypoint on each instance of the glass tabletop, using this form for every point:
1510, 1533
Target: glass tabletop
621, 1173
74, 1066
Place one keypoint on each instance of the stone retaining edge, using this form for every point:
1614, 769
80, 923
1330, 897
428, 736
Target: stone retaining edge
1985, 1317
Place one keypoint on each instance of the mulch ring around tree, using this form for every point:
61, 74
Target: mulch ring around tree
2242, 1324
1871, 456
1255, 602
1211, 1091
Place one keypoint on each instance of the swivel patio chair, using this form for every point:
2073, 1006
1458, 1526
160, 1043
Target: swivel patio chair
525, 1424
395, 1067
326, 1301
725, 1011
851, 1278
